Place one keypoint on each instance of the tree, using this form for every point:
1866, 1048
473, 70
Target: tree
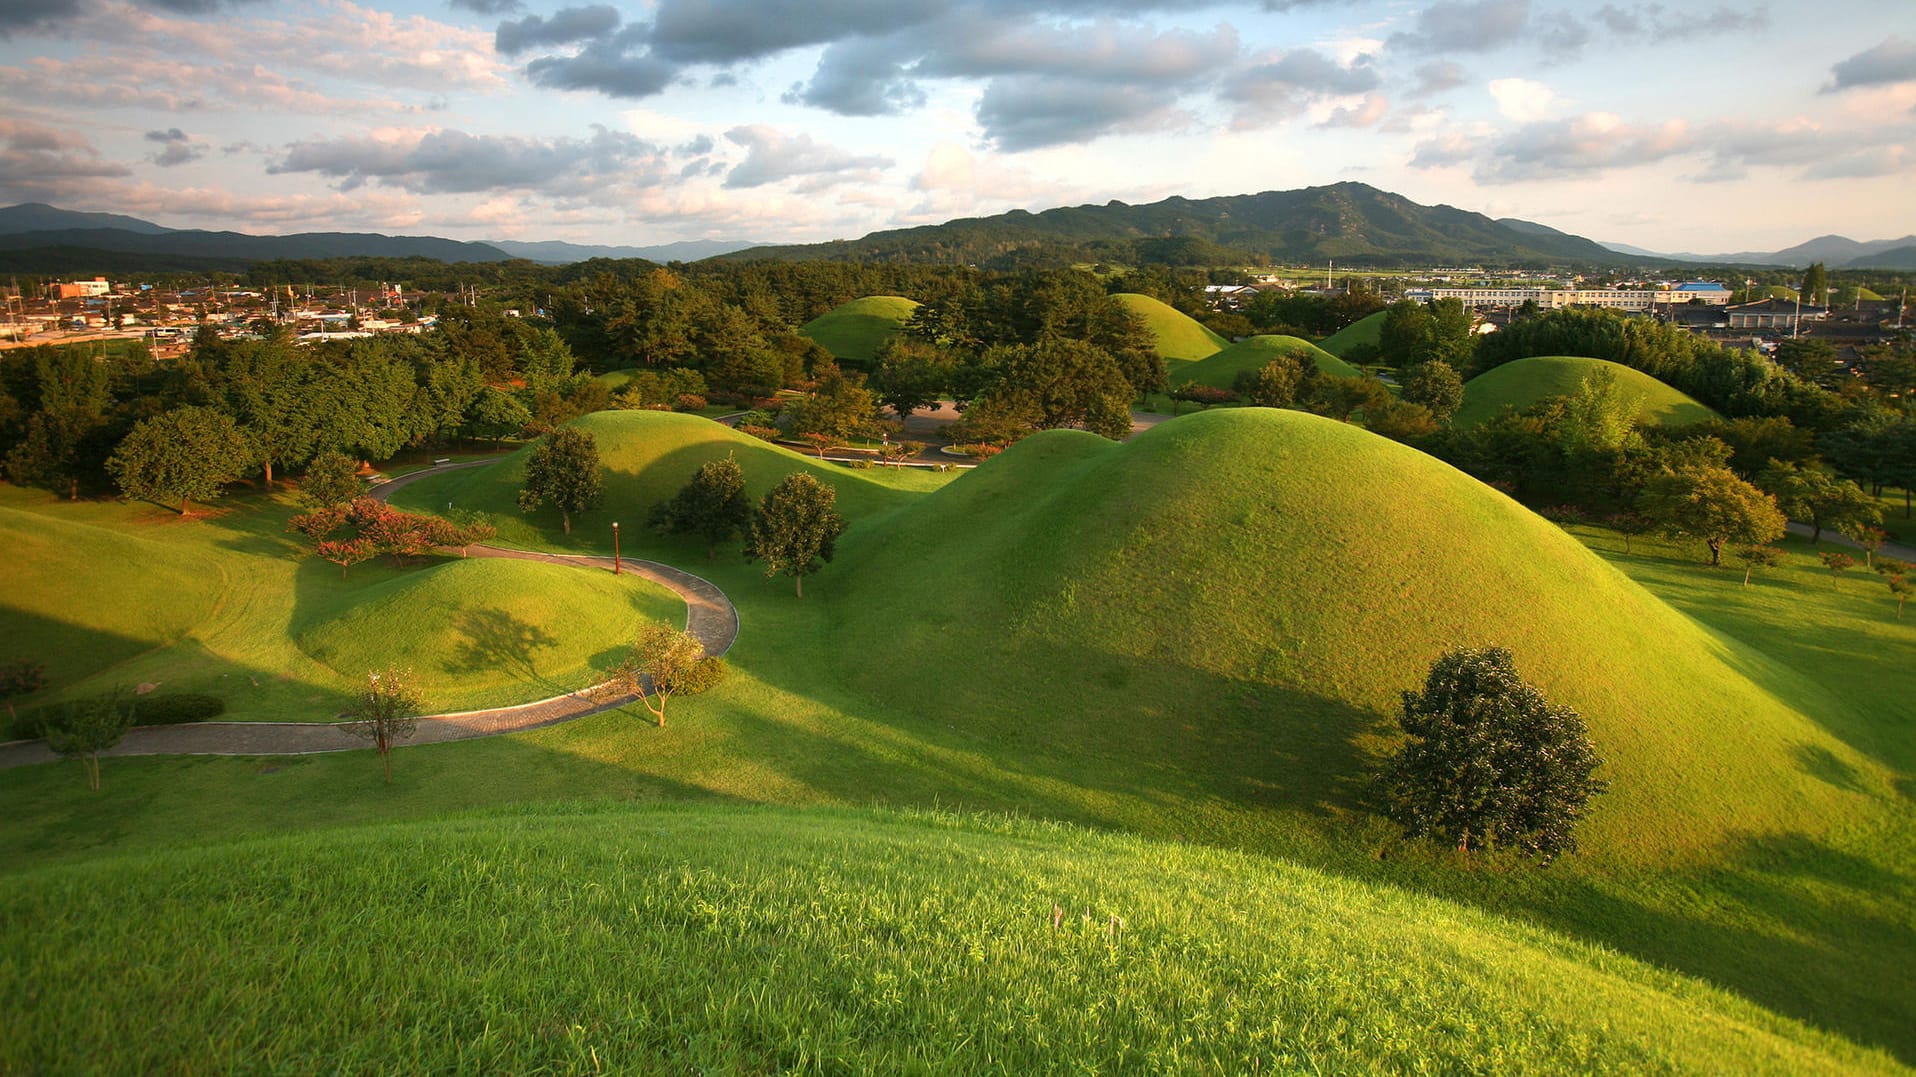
331, 479
18, 678
796, 527
1437, 386
1837, 562
1816, 284
911, 374
841, 409
84, 728
661, 662
1337, 396
1274, 385
1811, 495
1712, 504
185, 455
1898, 587
385, 711
564, 469
1065, 383
712, 505
348, 553
1869, 538
1757, 556
1490, 761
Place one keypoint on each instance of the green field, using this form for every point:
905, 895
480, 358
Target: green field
1195, 637
1366, 330
733, 940
1180, 337
1524, 382
122, 595
856, 330
1220, 371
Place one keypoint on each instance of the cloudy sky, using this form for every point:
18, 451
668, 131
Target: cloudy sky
1671, 125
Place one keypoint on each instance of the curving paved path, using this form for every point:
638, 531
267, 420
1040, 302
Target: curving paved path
709, 616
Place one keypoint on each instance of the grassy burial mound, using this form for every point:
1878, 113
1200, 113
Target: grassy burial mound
1180, 337
1235, 599
486, 633
1220, 371
115, 596
1523, 382
648, 456
1366, 330
856, 330
715, 939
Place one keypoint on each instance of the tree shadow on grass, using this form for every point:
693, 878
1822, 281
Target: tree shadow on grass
496, 640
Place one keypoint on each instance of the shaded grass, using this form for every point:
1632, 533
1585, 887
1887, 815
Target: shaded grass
1220, 371
729, 940
1524, 382
1366, 330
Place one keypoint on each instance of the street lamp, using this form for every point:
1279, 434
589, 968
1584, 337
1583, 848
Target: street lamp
615, 548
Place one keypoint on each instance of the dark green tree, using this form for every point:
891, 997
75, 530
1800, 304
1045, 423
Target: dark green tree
712, 505
1273, 385
911, 374
1490, 762
563, 469
1816, 284
1820, 500
331, 479
185, 455
1437, 386
84, 728
795, 528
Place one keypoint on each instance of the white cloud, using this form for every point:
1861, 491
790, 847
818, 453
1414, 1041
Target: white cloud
1523, 100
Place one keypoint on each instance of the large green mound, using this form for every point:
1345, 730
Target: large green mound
856, 330
728, 940
1180, 337
1524, 382
1366, 330
1202, 597
1220, 371
648, 456
488, 632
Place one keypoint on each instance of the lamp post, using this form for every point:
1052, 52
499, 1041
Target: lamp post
615, 548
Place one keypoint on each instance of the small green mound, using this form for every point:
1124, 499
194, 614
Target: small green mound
1220, 371
648, 456
1245, 592
1366, 330
488, 632
614, 380
1180, 337
856, 330
722, 940
1524, 382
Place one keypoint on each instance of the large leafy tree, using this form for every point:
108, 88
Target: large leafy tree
1490, 762
1815, 497
266, 389
563, 470
795, 528
185, 455
712, 505
1437, 386
1066, 383
1712, 504
911, 374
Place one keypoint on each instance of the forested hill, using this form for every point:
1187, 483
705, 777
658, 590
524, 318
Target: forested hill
1354, 223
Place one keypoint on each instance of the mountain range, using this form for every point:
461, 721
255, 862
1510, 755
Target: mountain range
1350, 223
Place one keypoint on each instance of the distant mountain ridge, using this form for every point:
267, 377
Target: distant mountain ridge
1835, 252
559, 252
1353, 223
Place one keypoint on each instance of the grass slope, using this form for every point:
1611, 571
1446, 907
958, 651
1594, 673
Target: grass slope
857, 329
1202, 598
1254, 353
1180, 337
729, 940
1523, 382
1366, 330
113, 595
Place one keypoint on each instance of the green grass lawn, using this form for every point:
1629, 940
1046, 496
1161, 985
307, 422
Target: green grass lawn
1366, 330
110, 594
1524, 382
733, 940
856, 330
1198, 636
1180, 338
1254, 353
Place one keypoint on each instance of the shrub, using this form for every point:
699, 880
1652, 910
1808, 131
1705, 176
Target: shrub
689, 402
181, 707
764, 433
702, 677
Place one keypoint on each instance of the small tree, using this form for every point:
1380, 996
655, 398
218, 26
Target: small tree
1274, 385
185, 455
564, 469
385, 711
331, 479
18, 678
662, 661
1754, 556
1628, 524
1712, 504
1837, 562
796, 527
320, 522
712, 505
1490, 761
347, 553
1890, 566
84, 728
1900, 588
1869, 538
